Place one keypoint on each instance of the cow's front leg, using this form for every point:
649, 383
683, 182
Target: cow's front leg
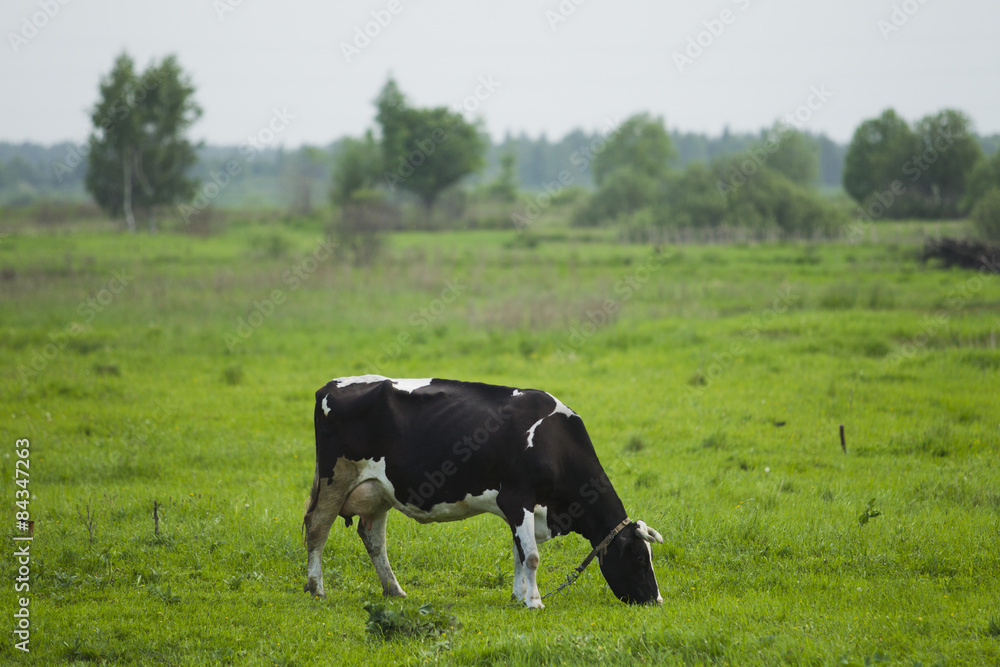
518, 591
373, 537
526, 562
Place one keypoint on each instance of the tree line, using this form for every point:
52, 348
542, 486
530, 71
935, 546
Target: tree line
635, 173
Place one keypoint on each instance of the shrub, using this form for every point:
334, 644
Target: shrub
387, 621
986, 215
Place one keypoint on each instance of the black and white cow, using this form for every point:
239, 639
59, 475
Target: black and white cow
442, 450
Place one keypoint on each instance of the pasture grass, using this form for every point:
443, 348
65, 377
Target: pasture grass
712, 379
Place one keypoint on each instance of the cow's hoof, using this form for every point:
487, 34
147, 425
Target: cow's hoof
398, 593
534, 604
314, 590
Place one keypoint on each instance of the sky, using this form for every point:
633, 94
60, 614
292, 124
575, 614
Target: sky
534, 67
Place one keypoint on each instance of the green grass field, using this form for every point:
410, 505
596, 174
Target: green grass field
712, 379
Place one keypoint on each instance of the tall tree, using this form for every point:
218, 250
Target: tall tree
139, 156
877, 154
943, 169
640, 143
425, 150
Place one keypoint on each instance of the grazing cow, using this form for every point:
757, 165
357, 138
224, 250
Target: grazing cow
441, 450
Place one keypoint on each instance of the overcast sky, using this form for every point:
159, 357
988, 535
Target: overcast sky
548, 66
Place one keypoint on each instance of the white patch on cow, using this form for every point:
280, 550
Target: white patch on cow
559, 409
410, 385
659, 598
359, 379
542, 532
531, 432
517, 392
373, 469
407, 384
484, 503
325, 406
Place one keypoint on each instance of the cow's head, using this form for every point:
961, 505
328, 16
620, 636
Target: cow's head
627, 565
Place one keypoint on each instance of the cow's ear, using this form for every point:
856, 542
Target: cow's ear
647, 533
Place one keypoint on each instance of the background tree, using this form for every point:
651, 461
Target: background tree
934, 162
985, 176
425, 150
139, 156
504, 187
949, 153
797, 156
357, 167
986, 215
641, 143
361, 213
876, 155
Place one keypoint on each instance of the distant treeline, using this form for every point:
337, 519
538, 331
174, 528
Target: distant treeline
279, 177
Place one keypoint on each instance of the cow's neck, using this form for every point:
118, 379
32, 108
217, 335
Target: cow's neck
602, 517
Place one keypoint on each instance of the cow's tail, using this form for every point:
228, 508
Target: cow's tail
310, 505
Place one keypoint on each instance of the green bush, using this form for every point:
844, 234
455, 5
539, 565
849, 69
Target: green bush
986, 215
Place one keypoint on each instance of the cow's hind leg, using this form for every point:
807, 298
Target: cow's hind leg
322, 508
372, 532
